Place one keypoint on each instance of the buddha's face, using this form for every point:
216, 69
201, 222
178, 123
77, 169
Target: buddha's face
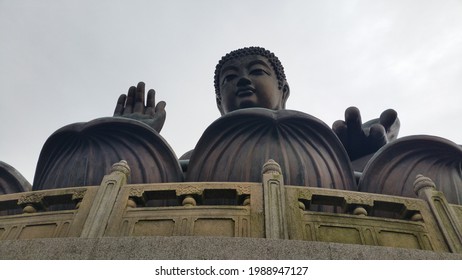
250, 81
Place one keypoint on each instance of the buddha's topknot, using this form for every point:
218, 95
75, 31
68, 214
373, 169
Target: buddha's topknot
275, 63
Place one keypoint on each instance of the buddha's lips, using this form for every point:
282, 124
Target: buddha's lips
245, 92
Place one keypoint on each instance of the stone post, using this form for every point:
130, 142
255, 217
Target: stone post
98, 217
447, 221
274, 196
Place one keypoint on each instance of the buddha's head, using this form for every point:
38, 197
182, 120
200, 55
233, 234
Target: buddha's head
250, 77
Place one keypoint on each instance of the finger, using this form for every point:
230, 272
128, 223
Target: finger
138, 106
160, 107
353, 120
119, 109
341, 130
130, 100
160, 115
377, 136
388, 118
151, 100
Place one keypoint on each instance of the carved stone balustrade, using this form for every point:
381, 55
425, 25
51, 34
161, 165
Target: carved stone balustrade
268, 209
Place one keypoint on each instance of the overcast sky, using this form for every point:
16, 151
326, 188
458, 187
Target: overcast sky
63, 62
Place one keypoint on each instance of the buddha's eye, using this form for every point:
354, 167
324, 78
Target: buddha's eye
259, 72
228, 78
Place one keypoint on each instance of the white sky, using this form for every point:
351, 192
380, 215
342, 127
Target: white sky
68, 61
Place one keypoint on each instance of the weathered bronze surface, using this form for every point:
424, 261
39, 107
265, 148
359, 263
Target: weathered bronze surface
11, 181
234, 148
250, 78
80, 154
393, 169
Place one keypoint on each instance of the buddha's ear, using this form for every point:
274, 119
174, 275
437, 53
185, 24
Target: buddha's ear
220, 108
285, 94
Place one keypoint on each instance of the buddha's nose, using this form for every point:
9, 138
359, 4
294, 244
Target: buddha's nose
243, 81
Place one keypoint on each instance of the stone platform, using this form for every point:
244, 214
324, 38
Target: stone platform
204, 248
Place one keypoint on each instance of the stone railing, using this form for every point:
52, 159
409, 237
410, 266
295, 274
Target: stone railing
235, 209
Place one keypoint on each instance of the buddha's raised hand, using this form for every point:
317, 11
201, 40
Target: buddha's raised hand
362, 139
132, 106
